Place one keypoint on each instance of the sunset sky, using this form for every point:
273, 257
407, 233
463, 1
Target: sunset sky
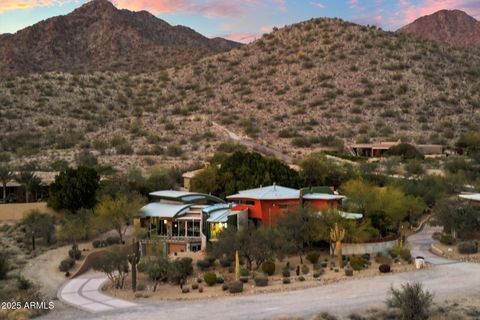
243, 20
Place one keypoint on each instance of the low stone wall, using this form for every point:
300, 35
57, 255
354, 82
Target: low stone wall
16, 211
362, 248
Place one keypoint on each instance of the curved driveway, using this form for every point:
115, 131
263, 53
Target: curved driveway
445, 278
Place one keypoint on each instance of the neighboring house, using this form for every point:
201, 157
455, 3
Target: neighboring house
176, 217
380, 148
473, 198
187, 179
16, 193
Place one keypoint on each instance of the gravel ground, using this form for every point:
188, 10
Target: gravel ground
447, 280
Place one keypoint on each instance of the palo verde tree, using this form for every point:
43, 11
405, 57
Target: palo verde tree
457, 217
114, 263
116, 212
38, 224
74, 189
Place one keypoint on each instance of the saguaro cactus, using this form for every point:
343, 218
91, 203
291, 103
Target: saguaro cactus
134, 259
337, 235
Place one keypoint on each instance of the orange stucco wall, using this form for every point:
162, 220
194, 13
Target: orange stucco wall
268, 210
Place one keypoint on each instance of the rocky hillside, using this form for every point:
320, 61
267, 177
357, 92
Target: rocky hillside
453, 27
97, 36
302, 87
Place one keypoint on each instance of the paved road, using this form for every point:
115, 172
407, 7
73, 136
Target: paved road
444, 278
84, 293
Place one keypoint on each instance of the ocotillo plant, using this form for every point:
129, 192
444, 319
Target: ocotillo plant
134, 259
337, 235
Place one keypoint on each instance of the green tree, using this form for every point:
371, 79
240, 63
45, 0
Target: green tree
457, 217
411, 300
116, 212
156, 265
114, 263
205, 181
406, 151
39, 224
76, 226
6, 175
299, 228
245, 170
254, 245
318, 170
29, 181
74, 189
386, 206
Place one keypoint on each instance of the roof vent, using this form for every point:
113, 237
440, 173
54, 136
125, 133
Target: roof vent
274, 186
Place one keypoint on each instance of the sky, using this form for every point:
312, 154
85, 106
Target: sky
243, 20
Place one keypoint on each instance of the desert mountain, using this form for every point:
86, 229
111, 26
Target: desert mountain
98, 36
452, 27
299, 88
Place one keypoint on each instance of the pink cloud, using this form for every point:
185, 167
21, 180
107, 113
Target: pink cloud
210, 7
243, 37
6, 5
282, 5
318, 5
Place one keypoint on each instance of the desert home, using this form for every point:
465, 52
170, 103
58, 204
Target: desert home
188, 220
378, 149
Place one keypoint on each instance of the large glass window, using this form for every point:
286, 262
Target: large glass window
193, 228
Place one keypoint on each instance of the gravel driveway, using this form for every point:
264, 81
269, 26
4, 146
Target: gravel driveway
446, 279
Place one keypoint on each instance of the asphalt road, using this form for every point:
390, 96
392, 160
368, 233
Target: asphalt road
445, 279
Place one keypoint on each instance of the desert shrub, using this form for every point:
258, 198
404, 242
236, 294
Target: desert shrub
305, 269
348, 272
185, 290
244, 272
98, 243
113, 240
235, 287
286, 280
411, 300
447, 239
66, 264
301, 278
313, 257
467, 247
203, 264
384, 268
224, 262
4, 265
194, 286
141, 286
286, 272
268, 267
220, 280
225, 286
75, 253
261, 281
357, 263
210, 278
317, 274
380, 258
23, 283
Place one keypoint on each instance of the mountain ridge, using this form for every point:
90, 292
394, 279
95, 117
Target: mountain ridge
97, 36
452, 27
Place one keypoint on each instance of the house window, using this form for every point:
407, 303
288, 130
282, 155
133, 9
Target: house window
283, 206
247, 202
193, 228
